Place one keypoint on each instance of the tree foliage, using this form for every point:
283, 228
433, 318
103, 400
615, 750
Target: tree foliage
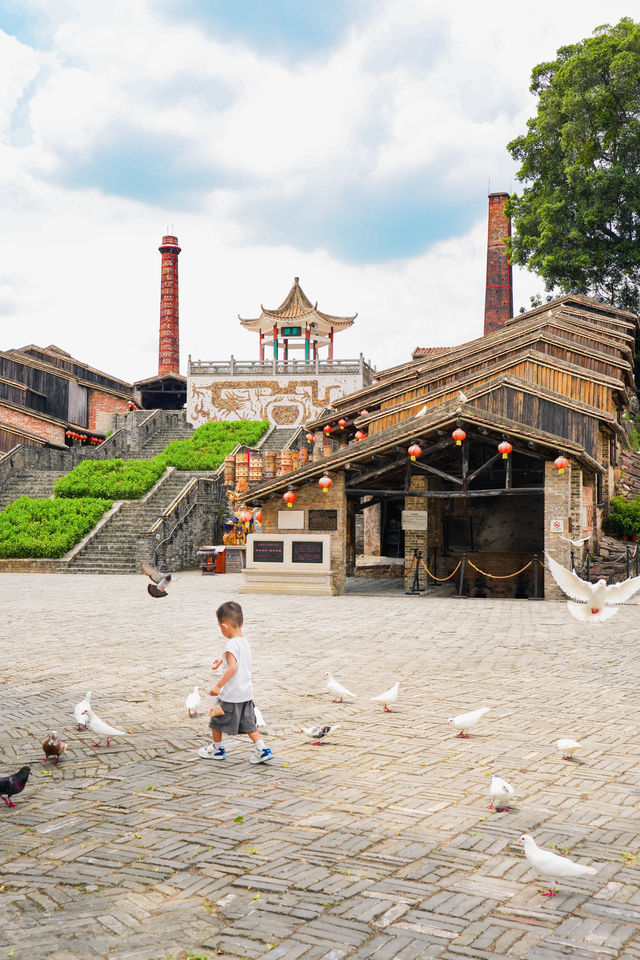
577, 222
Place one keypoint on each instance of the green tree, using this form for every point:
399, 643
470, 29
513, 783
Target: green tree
577, 221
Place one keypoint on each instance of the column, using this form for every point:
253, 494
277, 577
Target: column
557, 506
415, 539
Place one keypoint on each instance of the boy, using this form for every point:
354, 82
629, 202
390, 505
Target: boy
234, 690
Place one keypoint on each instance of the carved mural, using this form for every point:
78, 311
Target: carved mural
281, 400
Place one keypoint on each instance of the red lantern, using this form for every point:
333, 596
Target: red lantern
258, 516
310, 438
325, 482
342, 424
246, 516
505, 449
458, 435
359, 435
561, 463
327, 429
290, 498
364, 413
414, 451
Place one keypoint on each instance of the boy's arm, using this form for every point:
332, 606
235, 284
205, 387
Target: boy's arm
226, 676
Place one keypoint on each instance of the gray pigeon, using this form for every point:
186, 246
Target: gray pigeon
160, 580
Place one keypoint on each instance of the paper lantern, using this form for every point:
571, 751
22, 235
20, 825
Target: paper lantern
359, 435
309, 438
561, 463
414, 451
246, 516
364, 413
325, 482
258, 516
459, 435
290, 498
342, 424
327, 429
505, 449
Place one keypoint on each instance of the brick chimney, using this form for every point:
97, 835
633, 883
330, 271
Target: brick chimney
498, 304
169, 352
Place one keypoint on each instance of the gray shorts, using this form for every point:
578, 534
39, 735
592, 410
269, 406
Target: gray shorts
238, 718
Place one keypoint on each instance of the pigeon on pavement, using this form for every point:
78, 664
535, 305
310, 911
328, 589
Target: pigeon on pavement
466, 721
319, 733
595, 599
551, 866
193, 702
389, 696
160, 580
96, 725
501, 793
338, 690
80, 712
568, 747
53, 747
10, 786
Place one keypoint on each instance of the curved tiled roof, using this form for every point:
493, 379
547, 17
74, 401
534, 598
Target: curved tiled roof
297, 307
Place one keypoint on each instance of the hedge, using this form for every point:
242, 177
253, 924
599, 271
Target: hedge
624, 518
112, 479
211, 443
47, 528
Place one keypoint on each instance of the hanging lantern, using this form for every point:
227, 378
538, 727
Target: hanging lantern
561, 463
458, 435
246, 516
327, 429
364, 413
309, 438
258, 516
414, 451
505, 449
325, 482
342, 424
359, 435
290, 498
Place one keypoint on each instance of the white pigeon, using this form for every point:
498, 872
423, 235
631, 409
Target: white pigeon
260, 721
552, 866
338, 690
462, 397
576, 543
389, 696
501, 794
466, 721
568, 747
593, 597
319, 733
80, 710
193, 702
98, 726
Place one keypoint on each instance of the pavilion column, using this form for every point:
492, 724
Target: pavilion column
307, 334
331, 344
261, 353
275, 341
286, 350
557, 506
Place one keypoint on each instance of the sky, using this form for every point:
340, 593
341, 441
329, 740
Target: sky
351, 143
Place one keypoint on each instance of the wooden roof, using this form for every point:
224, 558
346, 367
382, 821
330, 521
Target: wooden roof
298, 310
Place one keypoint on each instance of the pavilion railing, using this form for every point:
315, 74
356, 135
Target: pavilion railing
267, 368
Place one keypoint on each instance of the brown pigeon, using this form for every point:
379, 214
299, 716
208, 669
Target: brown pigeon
53, 747
160, 580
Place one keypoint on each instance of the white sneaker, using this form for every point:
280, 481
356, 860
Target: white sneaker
261, 756
212, 752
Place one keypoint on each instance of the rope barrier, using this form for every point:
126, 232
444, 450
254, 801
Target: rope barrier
440, 579
498, 576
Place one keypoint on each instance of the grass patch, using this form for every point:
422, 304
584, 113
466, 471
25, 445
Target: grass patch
211, 443
113, 479
47, 528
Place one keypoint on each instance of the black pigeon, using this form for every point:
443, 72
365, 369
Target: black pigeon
160, 580
10, 786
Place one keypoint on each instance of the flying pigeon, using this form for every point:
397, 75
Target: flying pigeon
10, 786
98, 726
338, 690
501, 793
53, 747
551, 865
160, 580
80, 712
193, 702
568, 747
465, 721
576, 543
389, 696
593, 597
319, 733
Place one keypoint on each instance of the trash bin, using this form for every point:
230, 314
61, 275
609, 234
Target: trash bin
208, 559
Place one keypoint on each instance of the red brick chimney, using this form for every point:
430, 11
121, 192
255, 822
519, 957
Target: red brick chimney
498, 304
169, 353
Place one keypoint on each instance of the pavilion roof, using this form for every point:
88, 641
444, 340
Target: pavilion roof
297, 309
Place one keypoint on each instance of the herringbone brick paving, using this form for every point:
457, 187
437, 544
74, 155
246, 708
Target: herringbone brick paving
376, 845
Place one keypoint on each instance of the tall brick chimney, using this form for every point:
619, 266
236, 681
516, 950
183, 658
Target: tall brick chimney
498, 304
169, 352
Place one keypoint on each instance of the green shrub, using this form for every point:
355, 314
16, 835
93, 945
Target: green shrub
47, 528
114, 479
624, 518
211, 443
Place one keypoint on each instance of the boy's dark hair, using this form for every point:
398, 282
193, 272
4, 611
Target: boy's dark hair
230, 612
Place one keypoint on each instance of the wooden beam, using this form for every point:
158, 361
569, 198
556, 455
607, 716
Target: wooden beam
484, 466
438, 473
378, 472
400, 494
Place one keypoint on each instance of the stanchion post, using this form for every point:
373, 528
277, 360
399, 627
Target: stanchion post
535, 576
573, 559
415, 586
588, 567
628, 562
462, 566
637, 564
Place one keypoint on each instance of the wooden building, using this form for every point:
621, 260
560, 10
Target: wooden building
553, 383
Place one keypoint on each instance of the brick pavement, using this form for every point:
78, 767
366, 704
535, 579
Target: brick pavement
374, 846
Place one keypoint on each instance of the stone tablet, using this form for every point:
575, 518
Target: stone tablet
306, 551
268, 551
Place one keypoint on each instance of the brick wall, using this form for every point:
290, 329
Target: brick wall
102, 407
415, 539
499, 288
557, 506
28, 421
310, 496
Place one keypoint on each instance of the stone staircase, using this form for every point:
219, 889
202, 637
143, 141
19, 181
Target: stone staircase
279, 438
29, 483
113, 547
162, 439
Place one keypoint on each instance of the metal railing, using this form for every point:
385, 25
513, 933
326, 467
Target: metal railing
174, 516
268, 368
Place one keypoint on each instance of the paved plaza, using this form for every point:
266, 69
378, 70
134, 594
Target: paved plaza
375, 845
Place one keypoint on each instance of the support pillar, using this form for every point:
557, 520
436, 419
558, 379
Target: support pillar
415, 539
372, 529
557, 507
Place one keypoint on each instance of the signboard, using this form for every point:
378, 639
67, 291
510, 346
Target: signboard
557, 525
414, 519
290, 519
306, 551
320, 520
268, 551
